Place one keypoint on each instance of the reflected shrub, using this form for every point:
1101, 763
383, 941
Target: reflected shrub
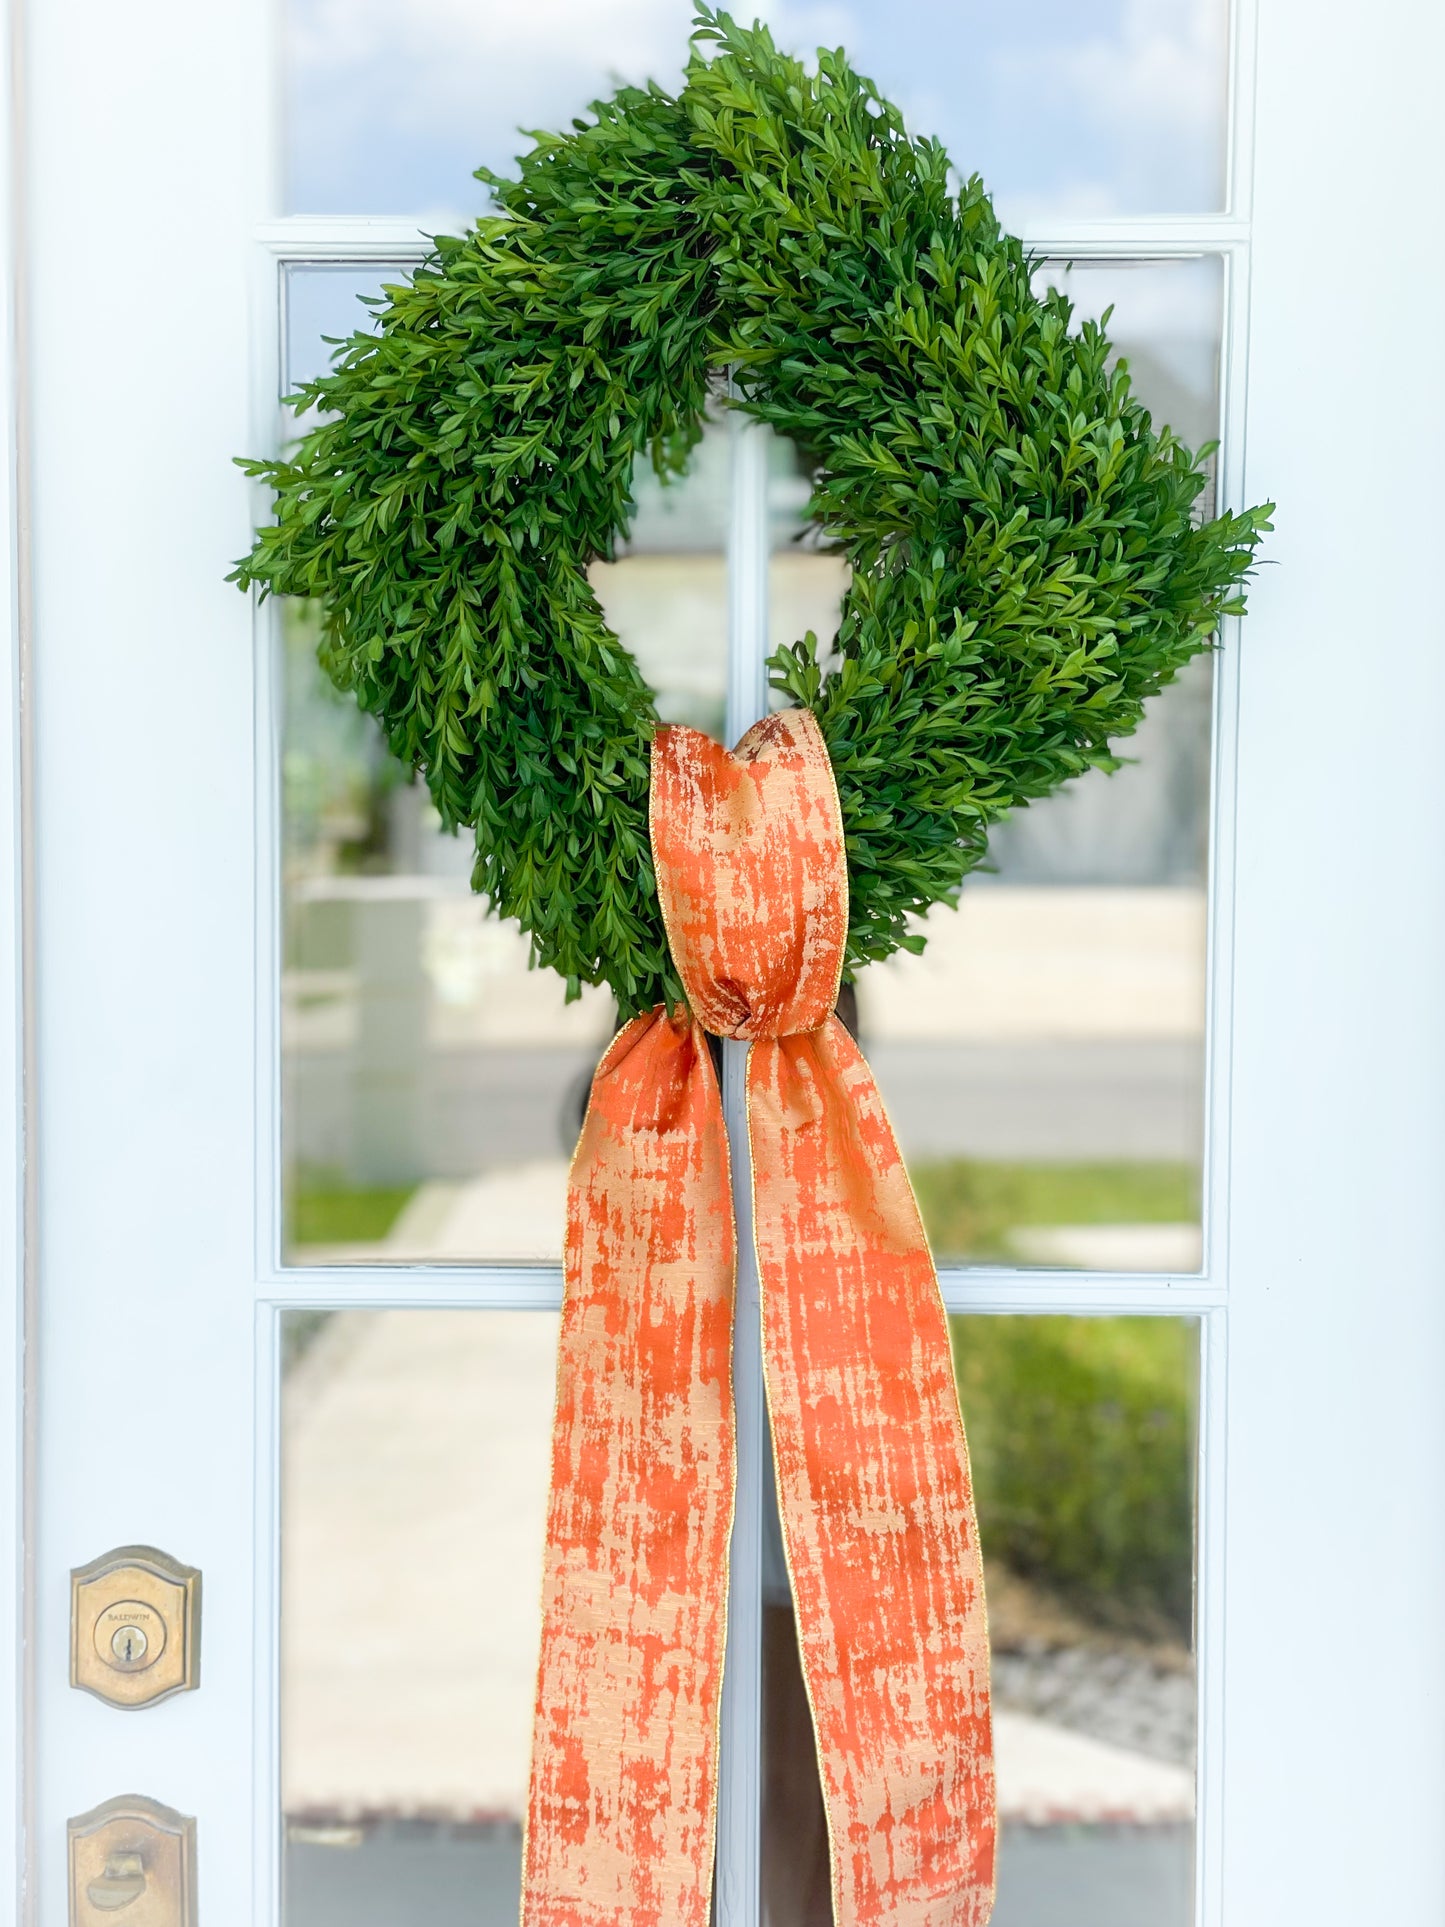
1081, 1434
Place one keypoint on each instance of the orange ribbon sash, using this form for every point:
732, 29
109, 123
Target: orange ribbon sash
872, 1468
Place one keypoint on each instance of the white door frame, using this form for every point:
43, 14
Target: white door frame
137, 368
16, 890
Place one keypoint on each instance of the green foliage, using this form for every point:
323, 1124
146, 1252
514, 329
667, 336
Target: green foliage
1081, 1437
969, 1206
1026, 570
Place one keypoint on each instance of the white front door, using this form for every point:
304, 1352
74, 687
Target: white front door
295, 1117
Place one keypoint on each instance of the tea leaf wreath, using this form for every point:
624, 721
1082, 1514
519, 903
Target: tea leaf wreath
1026, 569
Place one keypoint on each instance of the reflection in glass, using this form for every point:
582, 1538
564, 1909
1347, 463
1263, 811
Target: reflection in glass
416, 1450
325, 305
806, 584
432, 1082
1043, 1060
1082, 1439
1165, 318
666, 593
414, 1477
1117, 108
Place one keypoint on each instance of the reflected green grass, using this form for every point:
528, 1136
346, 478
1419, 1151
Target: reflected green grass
969, 1206
322, 1209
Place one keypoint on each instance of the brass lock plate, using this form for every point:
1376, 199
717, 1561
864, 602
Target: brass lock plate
132, 1859
135, 1626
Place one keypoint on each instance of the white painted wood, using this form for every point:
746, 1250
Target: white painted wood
16, 1277
539, 1288
263, 1817
344, 237
1219, 974
1211, 1653
1334, 1778
1239, 150
405, 238
146, 159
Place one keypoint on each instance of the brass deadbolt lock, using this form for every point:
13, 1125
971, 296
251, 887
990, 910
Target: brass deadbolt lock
134, 1860
135, 1623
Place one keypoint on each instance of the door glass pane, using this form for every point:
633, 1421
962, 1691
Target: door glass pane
806, 584
1064, 110
1043, 1060
433, 1084
416, 1452
1082, 1439
325, 304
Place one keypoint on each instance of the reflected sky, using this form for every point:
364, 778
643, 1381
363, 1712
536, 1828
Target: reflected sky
1115, 108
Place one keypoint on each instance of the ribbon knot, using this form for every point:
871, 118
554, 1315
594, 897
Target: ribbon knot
872, 1470
751, 875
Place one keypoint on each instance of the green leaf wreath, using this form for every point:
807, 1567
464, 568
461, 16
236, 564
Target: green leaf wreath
1026, 567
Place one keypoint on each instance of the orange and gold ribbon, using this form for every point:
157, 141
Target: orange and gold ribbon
872, 1469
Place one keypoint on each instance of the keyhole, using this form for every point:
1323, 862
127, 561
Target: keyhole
129, 1644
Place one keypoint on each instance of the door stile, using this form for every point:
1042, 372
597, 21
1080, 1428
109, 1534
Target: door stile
268, 1820
268, 383
18, 1195
1209, 1617
1222, 853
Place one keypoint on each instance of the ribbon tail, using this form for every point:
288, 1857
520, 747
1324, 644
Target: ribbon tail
621, 1810
874, 1494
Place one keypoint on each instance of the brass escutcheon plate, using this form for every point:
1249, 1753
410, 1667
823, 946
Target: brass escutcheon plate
135, 1626
132, 1859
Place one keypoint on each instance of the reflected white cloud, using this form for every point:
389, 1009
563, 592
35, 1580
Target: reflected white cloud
1115, 108
1144, 80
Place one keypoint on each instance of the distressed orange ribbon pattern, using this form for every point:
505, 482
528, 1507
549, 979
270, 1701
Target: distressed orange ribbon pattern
872, 1468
